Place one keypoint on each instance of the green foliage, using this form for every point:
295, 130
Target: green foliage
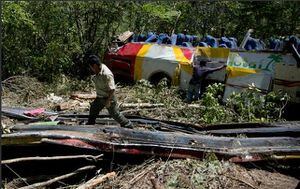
159, 11
66, 85
48, 38
213, 111
18, 30
157, 16
251, 105
145, 92
160, 17
248, 106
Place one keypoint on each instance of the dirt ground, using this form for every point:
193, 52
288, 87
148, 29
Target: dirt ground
158, 174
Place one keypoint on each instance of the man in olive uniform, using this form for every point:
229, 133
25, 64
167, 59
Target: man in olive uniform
105, 89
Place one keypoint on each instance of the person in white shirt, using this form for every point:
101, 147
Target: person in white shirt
105, 89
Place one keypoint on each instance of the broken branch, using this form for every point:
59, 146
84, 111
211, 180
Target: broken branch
96, 181
143, 173
242, 181
71, 104
154, 108
87, 157
51, 181
83, 96
141, 105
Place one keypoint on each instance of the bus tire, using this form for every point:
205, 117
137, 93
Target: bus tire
157, 77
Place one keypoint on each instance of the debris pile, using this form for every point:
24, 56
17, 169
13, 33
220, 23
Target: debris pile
43, 147
85, 144
189, 173
22, 90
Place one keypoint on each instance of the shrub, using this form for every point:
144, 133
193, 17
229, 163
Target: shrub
252, 105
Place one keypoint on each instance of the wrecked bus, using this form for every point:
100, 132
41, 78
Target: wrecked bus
267, 70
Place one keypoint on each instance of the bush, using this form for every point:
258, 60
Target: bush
252, 105
213, 110
248, 106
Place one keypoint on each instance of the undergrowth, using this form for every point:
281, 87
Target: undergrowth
248, 106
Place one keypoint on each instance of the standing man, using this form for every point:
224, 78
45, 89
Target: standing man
200, 72
105, 89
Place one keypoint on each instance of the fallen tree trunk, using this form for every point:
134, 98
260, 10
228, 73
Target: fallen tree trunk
96, 181
51, 181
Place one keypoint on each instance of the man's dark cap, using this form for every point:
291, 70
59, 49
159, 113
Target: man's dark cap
93, 59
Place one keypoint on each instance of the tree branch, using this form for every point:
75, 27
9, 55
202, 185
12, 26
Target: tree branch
51, 181
16, 160
96, 181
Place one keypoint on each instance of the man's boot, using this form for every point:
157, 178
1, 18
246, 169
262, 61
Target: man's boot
128, 125
91, 121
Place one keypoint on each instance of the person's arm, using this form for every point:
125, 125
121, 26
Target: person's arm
210, 70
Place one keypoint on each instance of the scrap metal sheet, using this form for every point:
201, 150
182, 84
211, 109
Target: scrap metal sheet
117, 139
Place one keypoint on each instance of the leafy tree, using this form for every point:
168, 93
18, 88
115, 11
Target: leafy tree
48, 38
18, 32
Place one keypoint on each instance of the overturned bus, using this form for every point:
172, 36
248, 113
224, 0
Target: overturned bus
267, 70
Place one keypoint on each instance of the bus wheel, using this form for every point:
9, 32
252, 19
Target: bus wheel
159, 77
